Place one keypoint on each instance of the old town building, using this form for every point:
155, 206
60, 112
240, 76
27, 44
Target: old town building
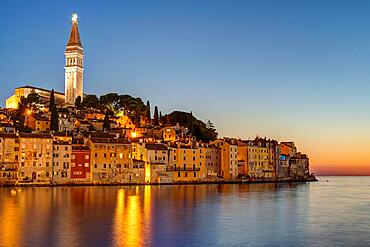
155, 157
229, 157
9, 158
109, 157
62, 152
35, 157
80, 164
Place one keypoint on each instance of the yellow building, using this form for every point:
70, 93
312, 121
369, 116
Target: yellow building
35, 157
169, 134
9, 154
257, 160
262, 158
186, 162
38, 123
62, 153
155, 158
109, 158
229, 157
13, 101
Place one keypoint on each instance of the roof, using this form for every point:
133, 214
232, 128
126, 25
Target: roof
6, 125
110, 140
39, 88
34, 135
155, 146
74, 37
8, 135
63, 134
80, 148
182, 146
40, 118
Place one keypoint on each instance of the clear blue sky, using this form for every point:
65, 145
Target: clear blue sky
284, 69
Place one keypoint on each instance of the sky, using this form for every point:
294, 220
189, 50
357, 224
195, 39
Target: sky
287, 70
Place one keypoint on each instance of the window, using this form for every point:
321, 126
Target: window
87, 165
88, 156
179, 174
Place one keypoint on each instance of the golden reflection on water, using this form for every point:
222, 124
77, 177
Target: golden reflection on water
11, 215
131, 215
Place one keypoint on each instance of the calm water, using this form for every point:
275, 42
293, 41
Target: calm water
313, 214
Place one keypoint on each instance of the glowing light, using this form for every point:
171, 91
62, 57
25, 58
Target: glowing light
29, 112
133, 134
74, 17
147, 173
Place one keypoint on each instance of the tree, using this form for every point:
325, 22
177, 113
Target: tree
156, 117
52, 100
78, 102
91, 101
160, 116
110, 101
54, 121
195, 126
148, 110
106, 123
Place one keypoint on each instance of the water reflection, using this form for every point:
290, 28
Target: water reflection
188, 215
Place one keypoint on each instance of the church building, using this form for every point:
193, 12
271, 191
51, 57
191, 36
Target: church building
73, 75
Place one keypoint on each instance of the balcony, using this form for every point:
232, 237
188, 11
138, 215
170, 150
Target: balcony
183, 169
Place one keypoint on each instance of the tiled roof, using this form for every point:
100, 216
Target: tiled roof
8, 135
39, 88
74, 37
35, 135
155, 146
110, 140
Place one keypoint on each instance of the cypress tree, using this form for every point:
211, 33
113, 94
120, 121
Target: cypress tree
54, 119
148, 109
78, 102
156, 117
106, 124
51, 101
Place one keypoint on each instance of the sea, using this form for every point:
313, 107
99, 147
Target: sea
335, 211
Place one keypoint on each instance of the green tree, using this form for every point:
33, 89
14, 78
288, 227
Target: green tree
110, 101
148, 110
78, 102
54, 119
91, 101
202, 131
156, 117
27, 106
106, 122
52, 100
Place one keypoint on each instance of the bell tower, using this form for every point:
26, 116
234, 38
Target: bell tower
74, 58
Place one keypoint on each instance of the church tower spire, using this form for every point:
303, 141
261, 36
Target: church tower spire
74, 59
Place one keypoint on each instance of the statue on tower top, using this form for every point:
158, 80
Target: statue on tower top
74, 17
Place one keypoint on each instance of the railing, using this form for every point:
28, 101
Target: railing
183, 169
